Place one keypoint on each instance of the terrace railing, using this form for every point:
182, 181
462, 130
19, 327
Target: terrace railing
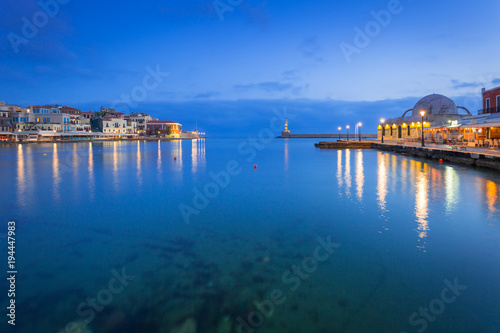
489, 110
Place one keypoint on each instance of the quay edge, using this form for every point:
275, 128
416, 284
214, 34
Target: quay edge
469, 158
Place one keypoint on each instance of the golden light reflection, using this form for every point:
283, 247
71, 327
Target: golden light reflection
139, 165
75, 162
382, 182
404, 175
21, 177
360, 176
286, 155
422, 206
56, 172
452, 184
491, 197
115, 166
158, 163
91, 172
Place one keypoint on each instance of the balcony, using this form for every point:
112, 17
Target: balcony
489, 110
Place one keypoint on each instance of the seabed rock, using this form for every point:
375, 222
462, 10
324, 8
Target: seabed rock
189, 326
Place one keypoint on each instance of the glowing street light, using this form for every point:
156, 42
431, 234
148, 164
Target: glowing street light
422, 113
359, 131
340, 128
382, 121
347, 127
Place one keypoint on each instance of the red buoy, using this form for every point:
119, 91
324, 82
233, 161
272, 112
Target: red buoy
255, 166
175, 158
440, 160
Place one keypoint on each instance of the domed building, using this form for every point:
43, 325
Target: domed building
438, 111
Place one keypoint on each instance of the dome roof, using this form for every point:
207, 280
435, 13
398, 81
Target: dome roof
435, 104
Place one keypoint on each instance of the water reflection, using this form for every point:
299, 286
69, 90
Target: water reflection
91, 172
382, 183
286, 154
21, 177
158, 163
116, 184
360, 176
139, 166
348, 172
76, 154
491, 197
452, 183
197, 154
422, 205
340, 180
56, 177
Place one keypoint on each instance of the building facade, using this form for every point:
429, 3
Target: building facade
164, 128
142, 120
114, 125
70, 110
491, 101
439, 111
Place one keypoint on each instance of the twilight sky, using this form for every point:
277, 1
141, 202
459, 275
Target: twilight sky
227, 66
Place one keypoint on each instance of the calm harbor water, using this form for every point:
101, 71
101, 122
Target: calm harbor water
309, 241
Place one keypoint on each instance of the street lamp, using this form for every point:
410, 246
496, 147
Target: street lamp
359, 131
383, 128
340, 128
422, 113
347, 127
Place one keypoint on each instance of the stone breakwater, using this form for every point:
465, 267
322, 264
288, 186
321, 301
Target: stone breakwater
344, 145
459, 157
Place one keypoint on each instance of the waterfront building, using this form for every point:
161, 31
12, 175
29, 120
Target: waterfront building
80, 123
440, 111
40, 118
164, 128
142, 120
116, 126
443, 124
4, 121
70, 110
88, 115
491, 101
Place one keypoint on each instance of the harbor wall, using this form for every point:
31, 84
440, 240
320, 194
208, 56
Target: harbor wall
453, 156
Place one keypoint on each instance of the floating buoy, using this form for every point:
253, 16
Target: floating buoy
175, 158
99, 151
440, 160
44, 154
255, 166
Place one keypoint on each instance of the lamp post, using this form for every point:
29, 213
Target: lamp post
383, 129
340, 128
347, 127
422, 113
359, 131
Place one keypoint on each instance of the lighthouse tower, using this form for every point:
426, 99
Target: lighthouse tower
286, 132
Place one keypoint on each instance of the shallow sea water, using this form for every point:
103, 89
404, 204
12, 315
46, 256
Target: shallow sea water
90, 216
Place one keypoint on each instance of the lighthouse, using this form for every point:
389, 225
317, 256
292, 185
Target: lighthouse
286, 132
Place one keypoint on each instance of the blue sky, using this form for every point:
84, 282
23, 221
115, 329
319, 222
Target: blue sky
229, 74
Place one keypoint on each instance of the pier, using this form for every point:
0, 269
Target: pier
473, 156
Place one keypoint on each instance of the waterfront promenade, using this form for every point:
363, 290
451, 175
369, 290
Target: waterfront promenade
471, 156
